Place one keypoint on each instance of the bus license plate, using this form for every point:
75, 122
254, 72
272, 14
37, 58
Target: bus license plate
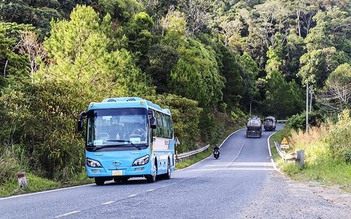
117, 173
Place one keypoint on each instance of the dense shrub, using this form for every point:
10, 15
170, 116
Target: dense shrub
298, 121
42, 122
328, 142
186, 116
339, 138
9, 166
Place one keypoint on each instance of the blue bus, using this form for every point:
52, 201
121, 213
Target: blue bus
127, 137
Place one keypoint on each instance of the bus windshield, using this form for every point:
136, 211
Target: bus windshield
117, 129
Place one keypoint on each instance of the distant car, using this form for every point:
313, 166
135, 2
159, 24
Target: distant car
269, 123
254, 127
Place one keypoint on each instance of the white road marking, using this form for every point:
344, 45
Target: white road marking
150, 190
132, 195
242, 146
44, 192
107, 203
67, 214
270, 154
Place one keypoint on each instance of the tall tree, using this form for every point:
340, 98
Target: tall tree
161, 61
79, 51
196, 75
121, 11
316, 65
282, 98
140, 38
249, 71
336, 95
30, 46
13, 65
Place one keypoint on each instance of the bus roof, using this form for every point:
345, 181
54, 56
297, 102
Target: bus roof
126, 102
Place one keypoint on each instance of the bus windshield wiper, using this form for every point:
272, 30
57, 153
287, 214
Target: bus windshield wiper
125, 141
113, 140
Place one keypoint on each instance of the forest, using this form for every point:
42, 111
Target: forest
212, 62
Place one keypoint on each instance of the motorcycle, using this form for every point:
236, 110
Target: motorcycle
216, 152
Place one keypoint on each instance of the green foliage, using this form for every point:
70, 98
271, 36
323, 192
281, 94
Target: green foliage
249, 72
43, 115
318, 64
336, 90
38, 119
82, 57
330, 30
238, 116
229, 68
13, 66
173, 27
274, 62
35, 184
282, 98
161, 60
186, 117
28, 13
9, 165
298, 121
339, 138
341, 76
139, 36
290, 169
327, 152
196, 75
120, 10
293, 50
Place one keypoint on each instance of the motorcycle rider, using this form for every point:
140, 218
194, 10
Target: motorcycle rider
216, 149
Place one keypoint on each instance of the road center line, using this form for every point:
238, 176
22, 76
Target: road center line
107, 203
132, 195
242, 146
67, 214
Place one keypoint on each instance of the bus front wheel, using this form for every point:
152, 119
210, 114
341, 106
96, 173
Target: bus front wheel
99, 181
152, 178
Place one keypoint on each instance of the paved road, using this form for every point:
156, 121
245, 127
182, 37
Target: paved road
242, 183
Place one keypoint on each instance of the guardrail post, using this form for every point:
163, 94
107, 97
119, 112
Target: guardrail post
300, 158
22, 180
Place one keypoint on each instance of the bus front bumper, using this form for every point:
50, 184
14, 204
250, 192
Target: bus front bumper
133, 171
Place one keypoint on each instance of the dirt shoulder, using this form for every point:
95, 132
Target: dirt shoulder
282, 197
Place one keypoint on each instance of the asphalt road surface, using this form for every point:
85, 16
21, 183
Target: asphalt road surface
242, 183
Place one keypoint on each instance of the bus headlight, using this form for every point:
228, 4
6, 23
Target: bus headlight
141, 161
92, 163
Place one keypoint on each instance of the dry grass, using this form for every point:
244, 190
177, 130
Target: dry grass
320, 163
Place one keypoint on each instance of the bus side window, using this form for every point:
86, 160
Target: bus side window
169, 127
156, 131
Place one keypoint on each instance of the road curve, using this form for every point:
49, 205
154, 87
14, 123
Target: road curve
242, 183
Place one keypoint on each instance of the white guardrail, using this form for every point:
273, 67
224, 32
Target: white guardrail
297, 156
187, 155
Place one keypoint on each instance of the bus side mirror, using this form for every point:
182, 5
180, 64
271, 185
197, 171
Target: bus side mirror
80, 122
152, 118
153, 122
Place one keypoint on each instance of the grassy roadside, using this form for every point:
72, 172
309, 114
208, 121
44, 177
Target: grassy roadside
37, 184
194, 159
328, 173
